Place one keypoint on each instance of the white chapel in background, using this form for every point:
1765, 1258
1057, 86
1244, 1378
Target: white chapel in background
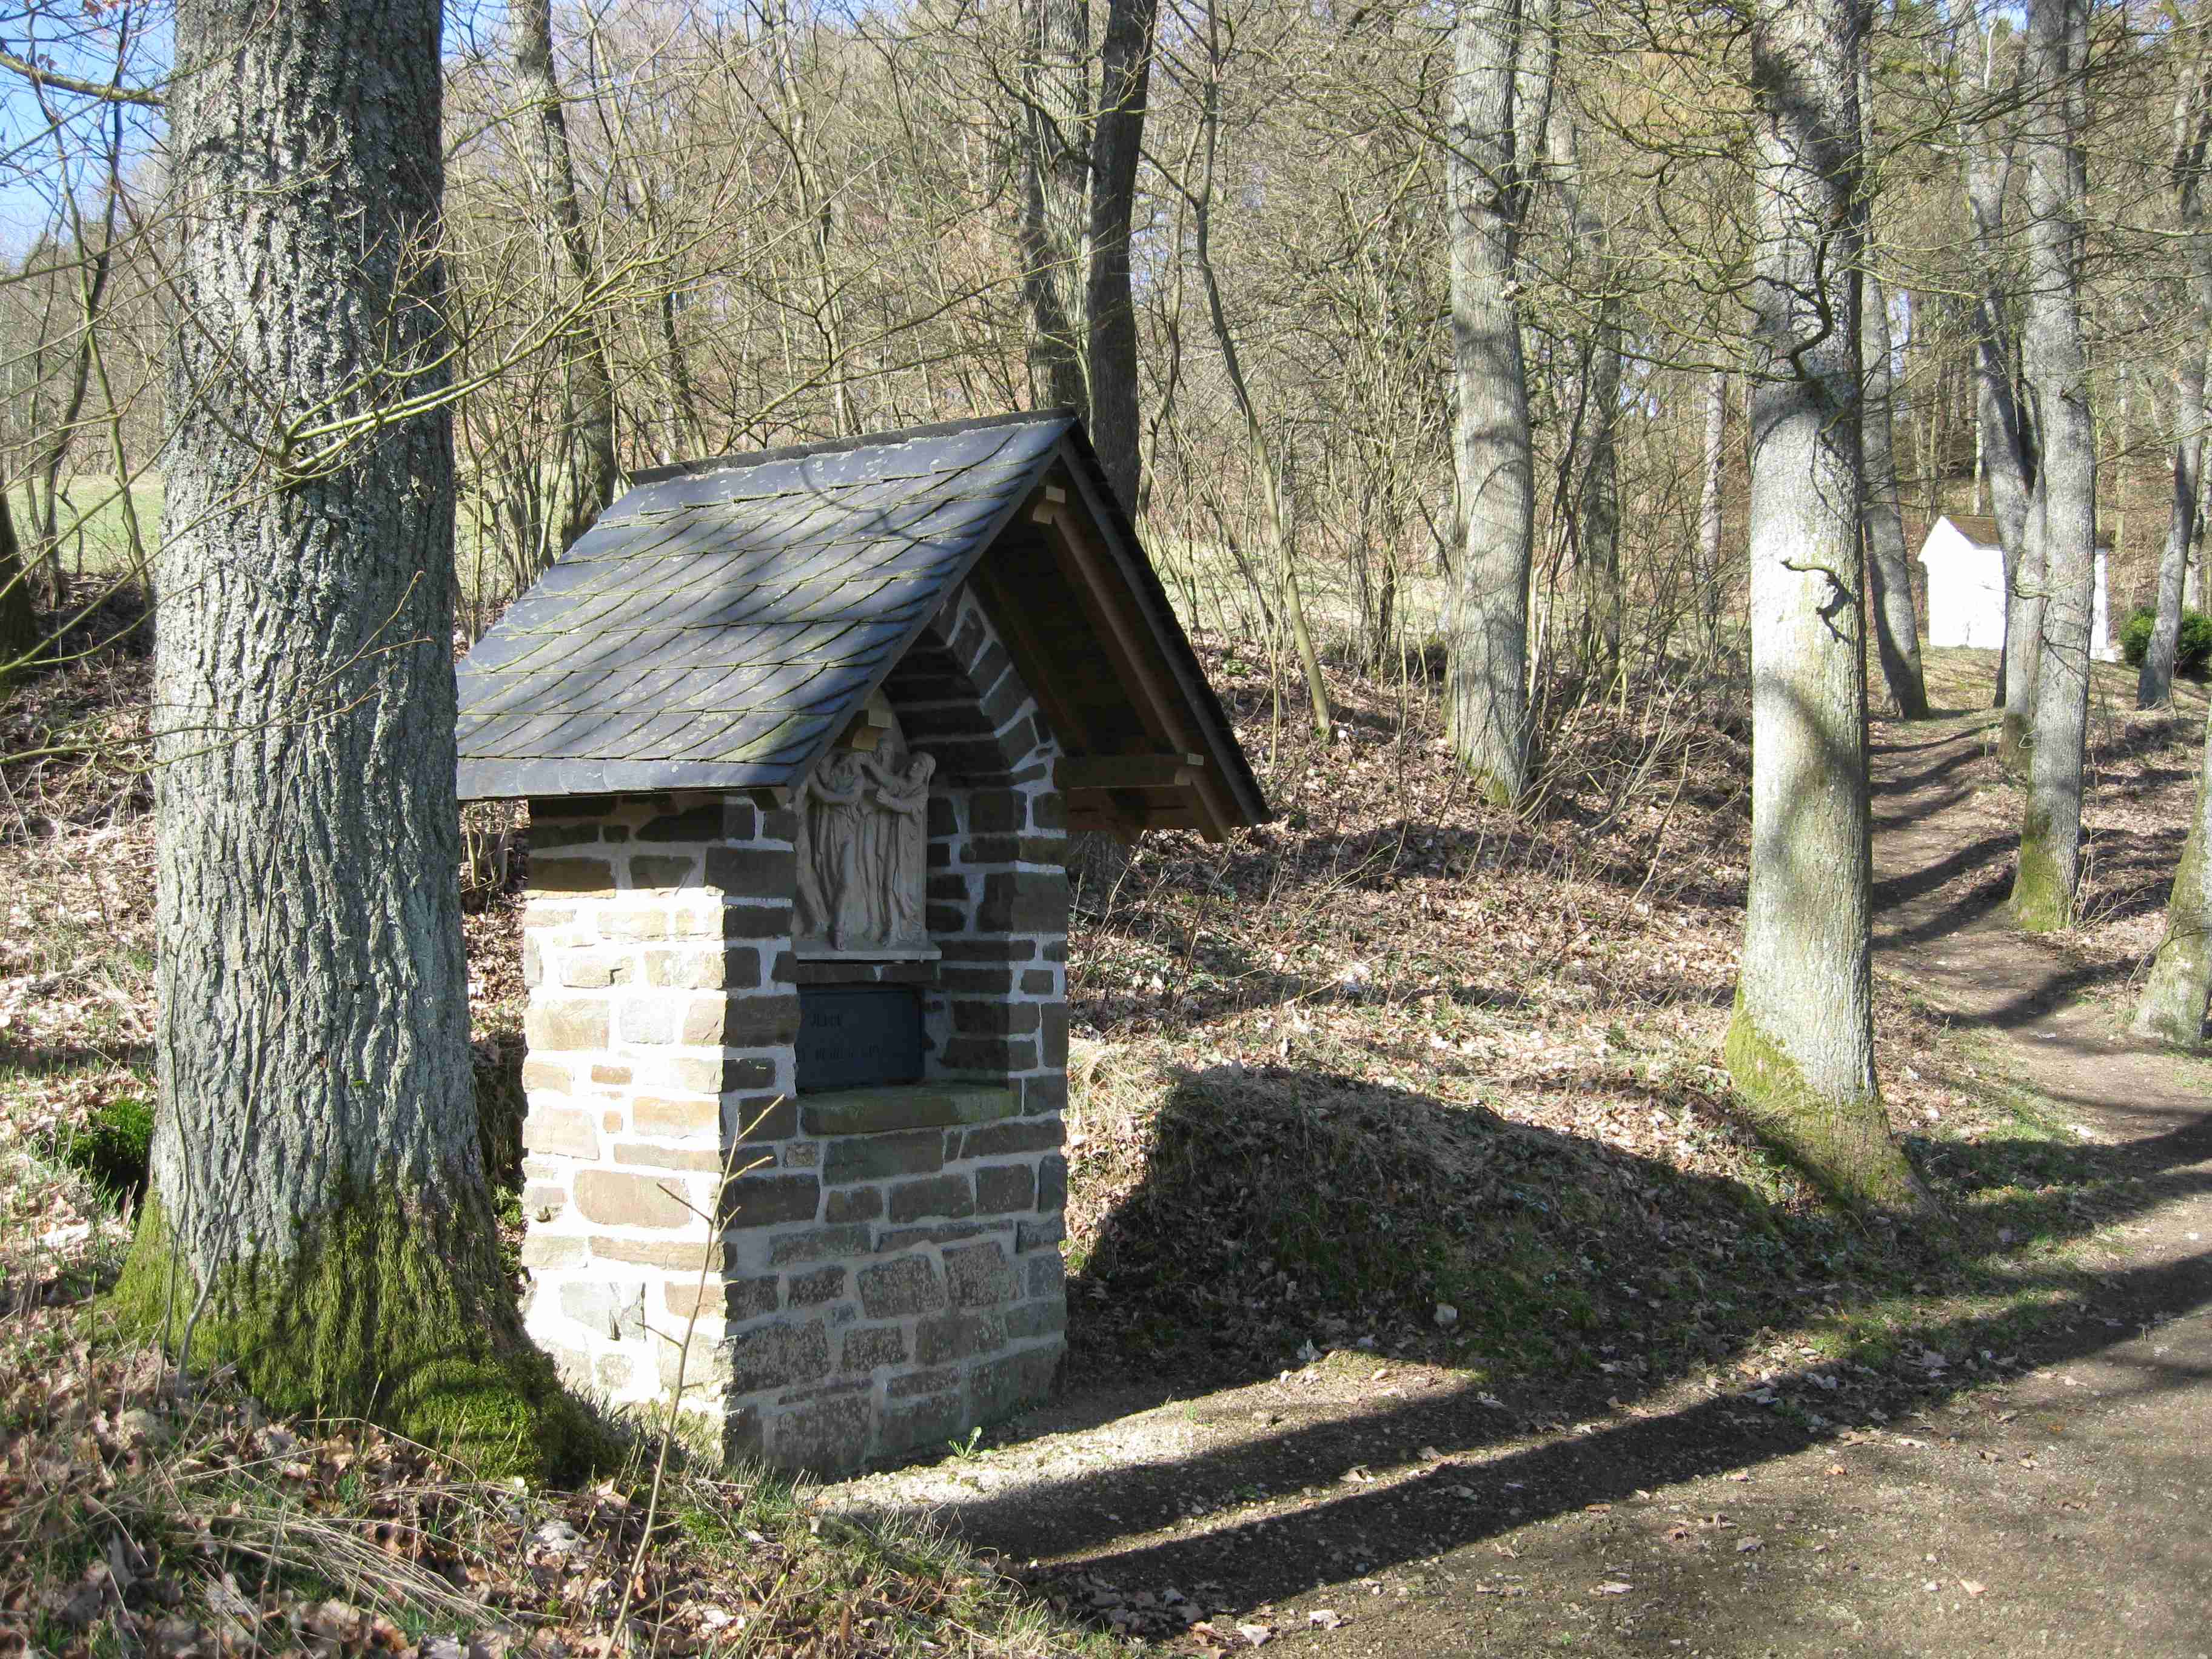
1965, 587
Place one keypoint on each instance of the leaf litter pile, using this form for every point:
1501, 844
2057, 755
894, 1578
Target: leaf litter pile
1398, 1076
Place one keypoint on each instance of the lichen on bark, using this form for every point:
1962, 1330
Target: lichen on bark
2042, 899
383, 1310
1842, 1144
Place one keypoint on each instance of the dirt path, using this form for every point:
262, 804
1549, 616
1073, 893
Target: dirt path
1345, 1510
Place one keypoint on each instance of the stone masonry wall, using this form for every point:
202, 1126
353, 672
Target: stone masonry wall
863, 1293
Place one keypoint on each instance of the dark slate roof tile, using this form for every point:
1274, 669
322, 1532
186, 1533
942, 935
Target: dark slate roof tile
717, 627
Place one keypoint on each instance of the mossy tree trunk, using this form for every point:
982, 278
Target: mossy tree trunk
2054, 68
1801, 1047
2174, 1001
318, 1214
1503, 53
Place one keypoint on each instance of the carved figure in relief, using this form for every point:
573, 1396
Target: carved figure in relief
863, 852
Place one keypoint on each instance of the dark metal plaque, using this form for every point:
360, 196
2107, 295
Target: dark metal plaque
853, 1036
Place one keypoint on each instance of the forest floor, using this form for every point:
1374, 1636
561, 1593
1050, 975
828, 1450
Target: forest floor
1428, 1295
1999, 1479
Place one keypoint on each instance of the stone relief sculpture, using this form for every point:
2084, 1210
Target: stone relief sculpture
863, 853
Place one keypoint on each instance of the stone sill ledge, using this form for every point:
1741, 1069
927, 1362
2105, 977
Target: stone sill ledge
885, 1107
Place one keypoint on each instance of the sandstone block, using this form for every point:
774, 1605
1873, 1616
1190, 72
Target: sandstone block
745, 872
1038, 1234
561, 1131
769, 1200
874, 1157
826, 1435
632, 922
701, 822
1000, 1387
766, 1021
952, 1196
594, 971
865, 1350
779, 1355
1045, 1318
892, 1240
571, 875
957, 1336
684, 1255
647, 1019
566, 1023
1002, 1187
1014, 1136
930, 1421
697, 1160
543, 1251
819, 1244
664, 873
977, 1276
854, 1204
614, 1199
547, 1076
703, 1021
1031, 901
894, 1290
811, 1290
676, 1115
1047, 1275
718, 1074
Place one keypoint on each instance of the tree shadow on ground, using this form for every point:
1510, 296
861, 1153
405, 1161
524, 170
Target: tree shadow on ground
1279, 1208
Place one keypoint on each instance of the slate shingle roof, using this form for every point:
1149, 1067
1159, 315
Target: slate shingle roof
718, 624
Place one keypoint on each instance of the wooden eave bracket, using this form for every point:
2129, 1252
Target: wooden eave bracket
1130, 641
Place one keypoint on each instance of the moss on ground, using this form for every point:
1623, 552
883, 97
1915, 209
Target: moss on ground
383, 1312
1842, 1144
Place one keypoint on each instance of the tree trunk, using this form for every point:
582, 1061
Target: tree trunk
2002, 435
1597, 489
2192, 136
318, 1215
1709, 507
1501, 84
1889, 568
1801, 1046
2174, 1001
19, 616
2154, 680
2058, 366
1264, 464
588, 425
1116, 146
1056, 157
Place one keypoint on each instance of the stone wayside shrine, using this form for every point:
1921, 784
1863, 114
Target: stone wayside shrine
803, 734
